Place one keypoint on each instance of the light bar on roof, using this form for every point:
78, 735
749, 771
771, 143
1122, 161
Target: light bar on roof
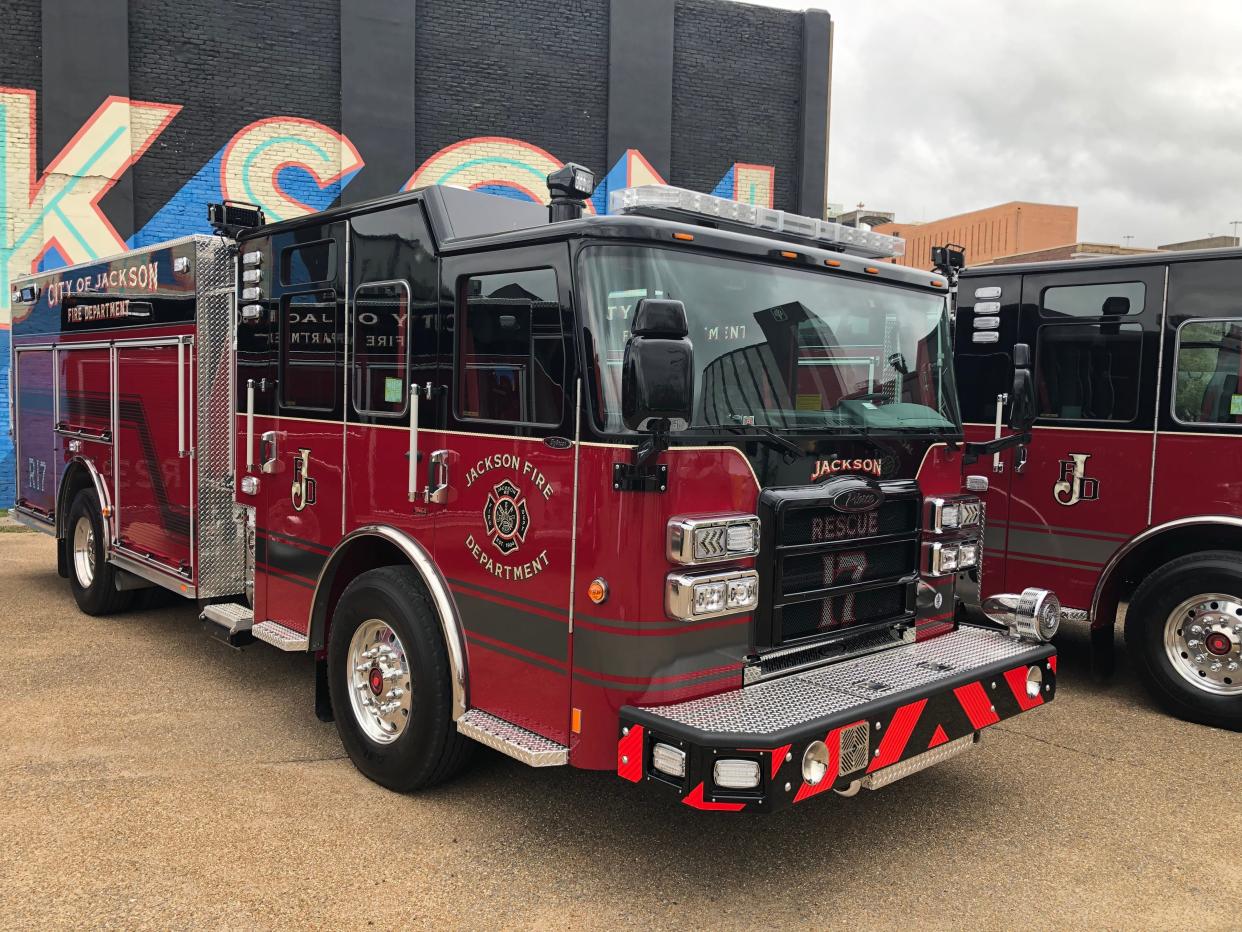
654, 198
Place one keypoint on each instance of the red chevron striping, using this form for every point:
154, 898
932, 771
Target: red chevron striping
975, 703
630, 747
695, 799
897, 735
939, 737
1052, 663
778, 758
1016, 678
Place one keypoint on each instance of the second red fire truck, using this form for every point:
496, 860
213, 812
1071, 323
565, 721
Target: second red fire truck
1127, 490
676, 492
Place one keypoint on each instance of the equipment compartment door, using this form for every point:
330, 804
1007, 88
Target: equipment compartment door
33, 430
1085, 487
152, 466
504, 485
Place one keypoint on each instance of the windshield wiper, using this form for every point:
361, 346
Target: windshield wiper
792, 452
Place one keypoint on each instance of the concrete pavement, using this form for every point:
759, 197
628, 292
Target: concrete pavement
153, 777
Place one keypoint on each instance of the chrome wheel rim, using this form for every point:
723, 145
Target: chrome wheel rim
379, 681
84, 551
1203, 641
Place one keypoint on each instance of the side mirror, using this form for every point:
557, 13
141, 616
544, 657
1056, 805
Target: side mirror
1022, 397
657, 381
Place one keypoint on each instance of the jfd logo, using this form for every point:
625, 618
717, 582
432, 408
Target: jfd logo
1074, 486
303, 491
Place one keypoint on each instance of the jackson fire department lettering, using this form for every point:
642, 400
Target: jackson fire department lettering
1074, 486
303, 491
507, 515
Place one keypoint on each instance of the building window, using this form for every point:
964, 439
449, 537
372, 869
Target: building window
1088, 372
511, 357
379, 346
1209, 365
309, 373
308, 263
1114, 299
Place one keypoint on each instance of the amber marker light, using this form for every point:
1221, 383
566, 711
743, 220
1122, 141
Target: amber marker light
937, 283
684, 237
871, 270
597, 592
786, 254
832, 263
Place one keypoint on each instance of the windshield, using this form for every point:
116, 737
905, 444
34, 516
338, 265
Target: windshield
782, 348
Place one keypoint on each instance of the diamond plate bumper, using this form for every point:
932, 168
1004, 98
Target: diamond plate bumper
872, 713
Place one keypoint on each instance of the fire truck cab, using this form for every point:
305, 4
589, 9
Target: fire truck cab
676, 492
1126, 492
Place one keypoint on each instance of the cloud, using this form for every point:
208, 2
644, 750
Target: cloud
1130, 110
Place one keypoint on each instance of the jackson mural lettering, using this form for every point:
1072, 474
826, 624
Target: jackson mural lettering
288, 165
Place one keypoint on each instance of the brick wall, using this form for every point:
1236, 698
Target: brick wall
1002, 230
261, 84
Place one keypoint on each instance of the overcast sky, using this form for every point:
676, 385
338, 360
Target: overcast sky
1130, 109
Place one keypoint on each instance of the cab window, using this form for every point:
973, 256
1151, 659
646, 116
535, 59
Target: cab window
309, 362
1209, 367
1088, 371
380, 351
1111, 299
511, 353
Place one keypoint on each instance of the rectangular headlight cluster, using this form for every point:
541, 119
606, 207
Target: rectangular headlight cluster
946, 558
690, 597
952, 514
693, 541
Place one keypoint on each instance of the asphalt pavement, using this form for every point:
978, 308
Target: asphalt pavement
151, 776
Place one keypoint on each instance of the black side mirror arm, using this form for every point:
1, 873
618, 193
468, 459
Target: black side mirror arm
652, 445
972, 451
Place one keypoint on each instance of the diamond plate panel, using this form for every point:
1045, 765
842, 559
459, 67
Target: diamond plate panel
511, 739
221, 537
793, 700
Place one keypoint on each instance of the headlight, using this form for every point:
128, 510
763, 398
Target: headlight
952, 514
733, 774
712, 540
690, 597
946, 558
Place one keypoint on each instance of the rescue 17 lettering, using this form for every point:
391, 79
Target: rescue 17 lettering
506, 518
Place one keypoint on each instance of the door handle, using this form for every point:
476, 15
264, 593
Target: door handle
438, 477
268, 452
1019, 458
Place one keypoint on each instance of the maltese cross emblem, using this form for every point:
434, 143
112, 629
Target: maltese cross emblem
505, 516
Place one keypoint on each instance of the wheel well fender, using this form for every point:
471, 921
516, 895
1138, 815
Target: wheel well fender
375, 546
1151, 549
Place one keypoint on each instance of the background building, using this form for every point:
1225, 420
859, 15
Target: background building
120, 119
1019, 226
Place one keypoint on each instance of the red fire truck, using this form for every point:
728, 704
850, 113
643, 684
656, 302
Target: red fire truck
676, 492
1125, 491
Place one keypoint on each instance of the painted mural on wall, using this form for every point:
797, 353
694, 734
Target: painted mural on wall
288, 165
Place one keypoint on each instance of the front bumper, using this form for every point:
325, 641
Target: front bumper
902, 708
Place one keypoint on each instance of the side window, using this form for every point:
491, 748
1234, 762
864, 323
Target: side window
1106, 300
1209, 367
380, 348
308, 263
511, 356
309, 372
1088, 372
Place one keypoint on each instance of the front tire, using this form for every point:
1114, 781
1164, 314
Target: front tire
1184, 627
91, 577
389, 683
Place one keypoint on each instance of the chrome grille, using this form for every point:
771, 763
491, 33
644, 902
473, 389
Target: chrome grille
828, 571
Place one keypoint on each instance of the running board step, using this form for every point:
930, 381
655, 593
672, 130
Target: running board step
279, 636
514, 740
233, 617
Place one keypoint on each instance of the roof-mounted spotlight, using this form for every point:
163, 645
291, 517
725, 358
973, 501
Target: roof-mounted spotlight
570, 186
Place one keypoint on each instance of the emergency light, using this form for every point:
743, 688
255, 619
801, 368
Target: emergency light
680, 204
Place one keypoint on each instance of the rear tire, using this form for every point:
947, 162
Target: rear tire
91, 577
389, 683
1184, 629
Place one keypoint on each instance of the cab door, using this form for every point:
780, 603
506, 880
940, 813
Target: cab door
1083, 486
502, 486
300, 437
